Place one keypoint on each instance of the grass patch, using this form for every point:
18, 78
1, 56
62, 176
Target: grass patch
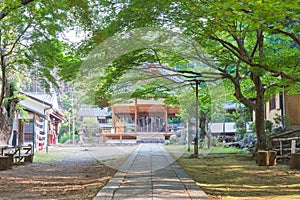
227, 150
232, 174
176, 149
45, 157
236, 176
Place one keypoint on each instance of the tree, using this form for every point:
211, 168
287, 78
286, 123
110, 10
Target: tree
29, 42
240, 37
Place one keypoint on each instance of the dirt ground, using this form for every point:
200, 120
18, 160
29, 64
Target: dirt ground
65, 172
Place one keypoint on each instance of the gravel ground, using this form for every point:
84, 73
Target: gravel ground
65, 172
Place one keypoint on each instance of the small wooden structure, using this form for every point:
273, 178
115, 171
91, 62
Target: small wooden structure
142, 116
15, 154
287, 146
285, 143
41, 127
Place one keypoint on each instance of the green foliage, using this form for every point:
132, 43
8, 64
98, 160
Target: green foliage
268, 125
283, 122
240, 117
66, 137
176, 120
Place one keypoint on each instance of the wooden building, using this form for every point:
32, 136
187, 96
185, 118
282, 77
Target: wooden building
292, 108
40, 126
140, 118
287, 105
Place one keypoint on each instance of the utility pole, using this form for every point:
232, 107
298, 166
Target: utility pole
73, 130
197, 122
73, 120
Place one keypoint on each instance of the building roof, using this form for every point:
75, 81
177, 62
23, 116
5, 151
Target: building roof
37, 102
143, 102
45, 98
93, 111
230, 105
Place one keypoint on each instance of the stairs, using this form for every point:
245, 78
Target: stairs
150, 138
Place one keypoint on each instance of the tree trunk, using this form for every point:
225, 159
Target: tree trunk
203, 129
259, 112
202, 126
260, 126
260, 103
7, 115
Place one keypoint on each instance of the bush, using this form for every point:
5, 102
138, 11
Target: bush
65, 137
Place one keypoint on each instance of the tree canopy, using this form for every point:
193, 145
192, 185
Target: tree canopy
31, 46
256, 52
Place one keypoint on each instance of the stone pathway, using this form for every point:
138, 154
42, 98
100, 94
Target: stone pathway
151, 173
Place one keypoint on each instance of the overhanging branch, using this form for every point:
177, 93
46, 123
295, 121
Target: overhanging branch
5, 11
291, 35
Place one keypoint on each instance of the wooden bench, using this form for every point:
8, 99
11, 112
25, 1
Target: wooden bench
23, 153
27, 157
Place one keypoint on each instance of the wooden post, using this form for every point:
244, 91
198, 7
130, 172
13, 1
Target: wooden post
135, 116
262, 158
166, 119
280, 144
272, 158
113, 120
20, 130
10, 159
293, 146
4, 162
295, 161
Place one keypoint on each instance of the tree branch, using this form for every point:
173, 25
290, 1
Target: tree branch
247, 61
17, 40
227, 45
5, 11
291, 35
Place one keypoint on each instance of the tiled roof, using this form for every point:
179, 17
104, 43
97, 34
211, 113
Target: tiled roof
232, 106
144, 102
42, 97
150, 101
93, 111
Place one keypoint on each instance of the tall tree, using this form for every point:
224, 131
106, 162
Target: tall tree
29, 31
253, 44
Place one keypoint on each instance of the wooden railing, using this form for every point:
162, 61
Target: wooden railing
286, 146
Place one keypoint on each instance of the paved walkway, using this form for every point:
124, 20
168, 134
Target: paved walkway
151, 173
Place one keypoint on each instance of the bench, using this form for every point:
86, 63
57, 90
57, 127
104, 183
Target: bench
27, 157
23, 153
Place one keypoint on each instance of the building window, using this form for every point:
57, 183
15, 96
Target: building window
272, 103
